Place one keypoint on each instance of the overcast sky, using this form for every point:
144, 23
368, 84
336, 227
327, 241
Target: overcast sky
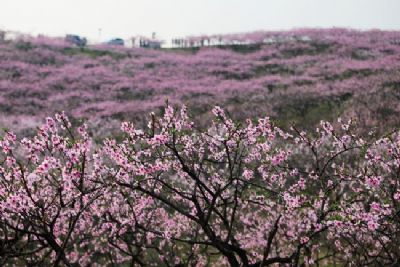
172, 18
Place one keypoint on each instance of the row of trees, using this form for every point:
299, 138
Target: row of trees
267, 37
234, 194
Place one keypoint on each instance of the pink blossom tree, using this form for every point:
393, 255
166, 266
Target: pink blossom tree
234, 194
49, 196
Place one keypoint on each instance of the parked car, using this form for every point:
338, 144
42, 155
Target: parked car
116, 41
76, 40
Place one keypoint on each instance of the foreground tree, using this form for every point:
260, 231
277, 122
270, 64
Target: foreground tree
252, 195
174, 195
49, 196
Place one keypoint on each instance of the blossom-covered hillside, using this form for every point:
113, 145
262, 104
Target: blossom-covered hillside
299, 77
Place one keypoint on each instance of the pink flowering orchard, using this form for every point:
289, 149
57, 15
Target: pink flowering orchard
176, 194
318, 73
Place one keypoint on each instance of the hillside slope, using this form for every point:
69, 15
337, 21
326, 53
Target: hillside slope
299, 77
